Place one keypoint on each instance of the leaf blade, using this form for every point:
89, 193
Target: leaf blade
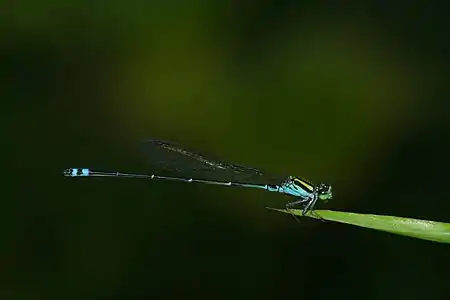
422, 229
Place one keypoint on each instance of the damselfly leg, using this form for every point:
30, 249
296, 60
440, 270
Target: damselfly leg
290, 205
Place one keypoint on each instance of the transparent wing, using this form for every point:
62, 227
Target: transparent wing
174, 159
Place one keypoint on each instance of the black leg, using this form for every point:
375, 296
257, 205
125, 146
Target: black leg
289, 205
310, 207
289, 210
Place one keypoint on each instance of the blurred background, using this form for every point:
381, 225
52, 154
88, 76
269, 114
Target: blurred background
350, 95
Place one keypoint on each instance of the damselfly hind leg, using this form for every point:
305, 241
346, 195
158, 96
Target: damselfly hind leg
289, 205
290, 212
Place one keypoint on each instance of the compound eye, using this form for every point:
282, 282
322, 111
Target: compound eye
323, 188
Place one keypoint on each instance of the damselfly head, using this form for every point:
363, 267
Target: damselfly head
324, 192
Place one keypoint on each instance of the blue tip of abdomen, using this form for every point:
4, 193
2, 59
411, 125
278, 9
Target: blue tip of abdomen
76, 172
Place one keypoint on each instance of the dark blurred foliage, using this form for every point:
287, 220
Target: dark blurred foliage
353, 95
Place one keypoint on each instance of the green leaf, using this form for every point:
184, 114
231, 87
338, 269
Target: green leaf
421, 229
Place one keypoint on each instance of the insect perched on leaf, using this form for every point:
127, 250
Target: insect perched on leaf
190, 166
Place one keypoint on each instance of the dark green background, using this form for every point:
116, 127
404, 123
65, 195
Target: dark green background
351, 95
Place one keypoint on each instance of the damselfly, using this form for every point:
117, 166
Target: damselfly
180, 164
